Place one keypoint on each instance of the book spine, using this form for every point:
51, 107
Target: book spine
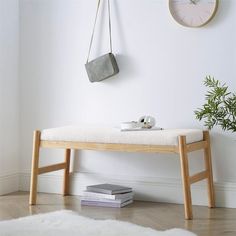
98, 190
103, 204
122, 191
126, 203
99, 195
108, 196
93, 199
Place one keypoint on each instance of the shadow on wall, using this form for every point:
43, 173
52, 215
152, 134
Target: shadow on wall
126, 63
76, 161
119, 27
225, 7
222, 144
127, 67
223, 158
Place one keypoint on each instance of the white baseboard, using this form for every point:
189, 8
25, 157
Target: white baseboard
9, 183
146, 188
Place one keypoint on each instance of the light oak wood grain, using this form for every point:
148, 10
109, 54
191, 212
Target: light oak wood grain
66, 181
185, 178
34, 169
208, 165
55, 167
109, 147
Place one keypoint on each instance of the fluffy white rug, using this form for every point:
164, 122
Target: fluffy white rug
68, 223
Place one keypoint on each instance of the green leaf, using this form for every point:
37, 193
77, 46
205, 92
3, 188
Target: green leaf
220, 106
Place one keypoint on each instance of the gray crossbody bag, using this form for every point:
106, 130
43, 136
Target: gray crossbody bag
105, 66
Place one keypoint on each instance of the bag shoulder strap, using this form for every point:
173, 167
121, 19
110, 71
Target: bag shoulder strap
94, 26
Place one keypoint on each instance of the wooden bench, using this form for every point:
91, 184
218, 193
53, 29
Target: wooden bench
176, 141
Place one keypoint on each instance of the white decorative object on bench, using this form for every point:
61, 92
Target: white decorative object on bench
179, 141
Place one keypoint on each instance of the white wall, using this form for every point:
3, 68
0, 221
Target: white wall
162, 67
9, 97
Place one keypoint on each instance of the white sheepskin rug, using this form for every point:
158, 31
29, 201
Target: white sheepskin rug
68, 223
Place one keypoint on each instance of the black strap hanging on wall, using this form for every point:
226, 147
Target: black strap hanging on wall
104, 66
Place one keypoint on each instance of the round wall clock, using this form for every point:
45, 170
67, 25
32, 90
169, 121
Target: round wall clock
193, 13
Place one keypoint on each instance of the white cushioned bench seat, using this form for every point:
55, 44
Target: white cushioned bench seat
99, 138
98, 134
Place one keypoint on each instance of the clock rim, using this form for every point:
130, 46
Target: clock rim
198, 26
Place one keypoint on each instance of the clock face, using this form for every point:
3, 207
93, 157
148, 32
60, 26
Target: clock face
193, 13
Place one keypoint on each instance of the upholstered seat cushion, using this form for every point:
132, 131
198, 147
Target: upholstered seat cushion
114, 135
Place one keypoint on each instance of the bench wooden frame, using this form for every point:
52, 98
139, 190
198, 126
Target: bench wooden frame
182, 149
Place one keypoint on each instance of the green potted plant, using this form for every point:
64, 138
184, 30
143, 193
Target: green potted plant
220, 106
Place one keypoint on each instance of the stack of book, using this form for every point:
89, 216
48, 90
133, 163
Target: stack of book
107, 195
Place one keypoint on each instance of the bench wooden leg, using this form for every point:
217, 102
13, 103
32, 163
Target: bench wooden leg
66, 184
208, 165
185, 178
34, 169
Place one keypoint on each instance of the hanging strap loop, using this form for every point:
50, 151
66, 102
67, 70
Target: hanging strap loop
109, 15
94, 26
